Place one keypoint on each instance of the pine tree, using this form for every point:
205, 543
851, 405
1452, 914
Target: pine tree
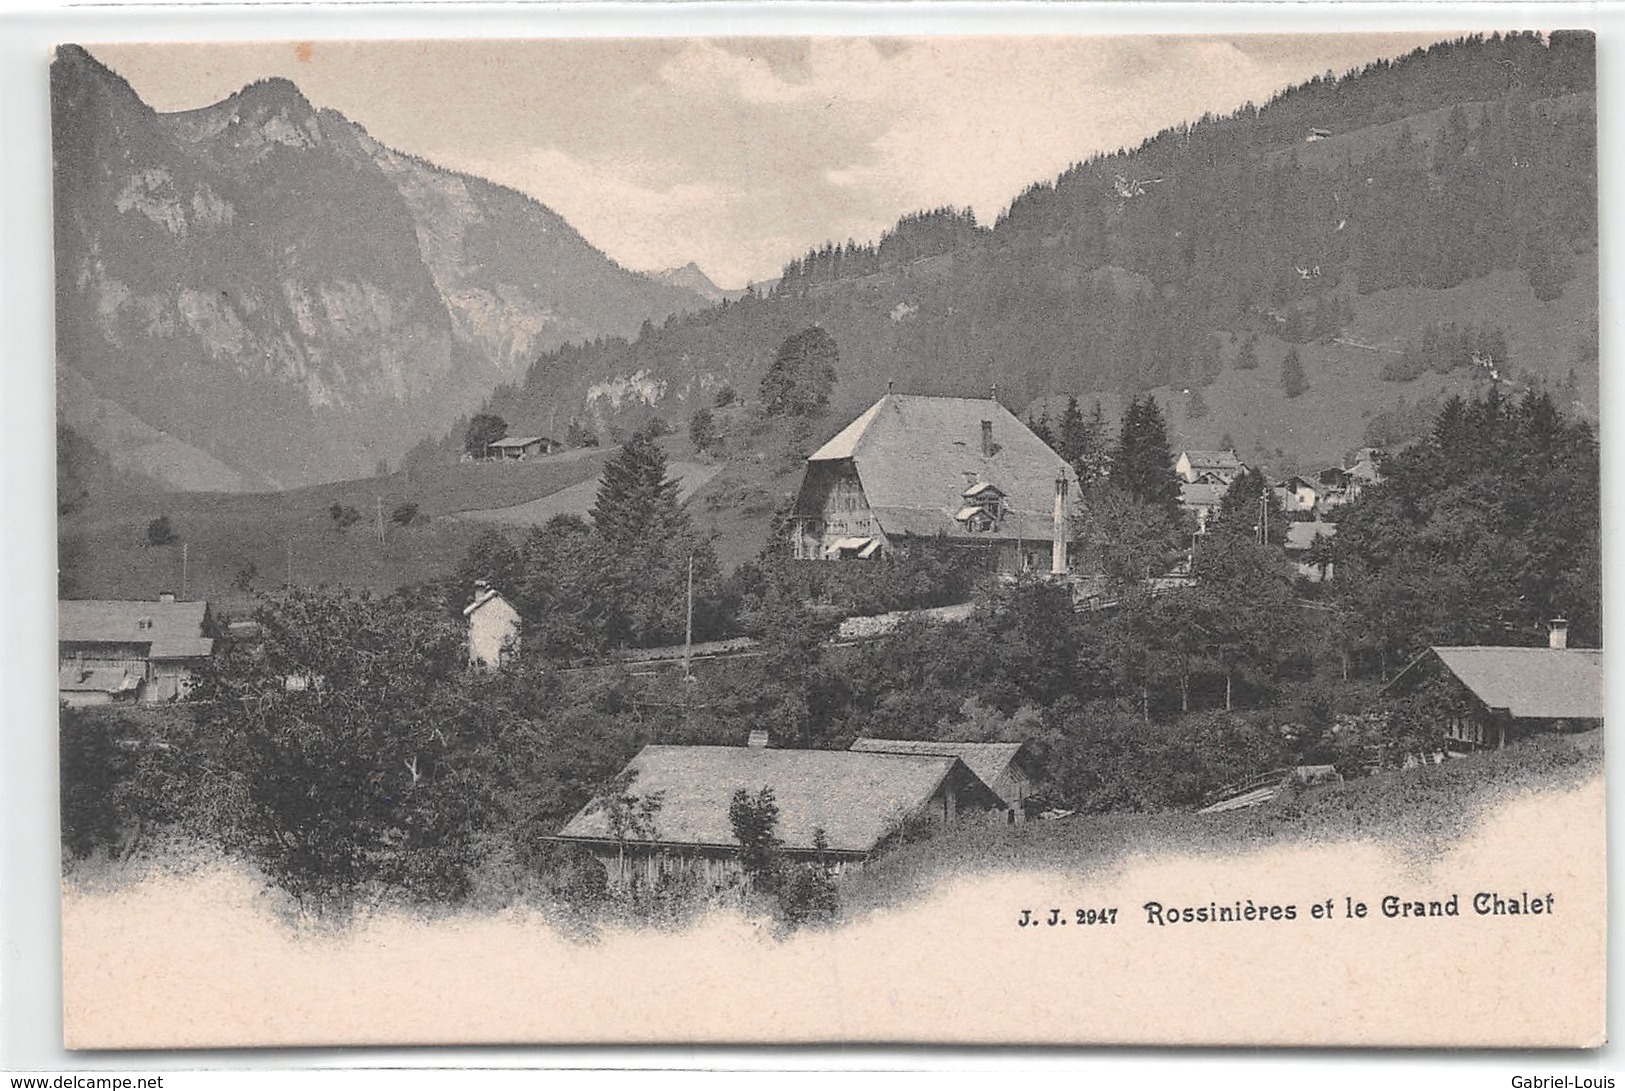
1293, 382
1042, 430
1195, 406
1142, 464
1094, 459
1071, 440
483, 430
637, 502
1249, 497
1247, 357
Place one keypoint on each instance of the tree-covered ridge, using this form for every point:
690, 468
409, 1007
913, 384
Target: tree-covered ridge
1163, 265
1480, 534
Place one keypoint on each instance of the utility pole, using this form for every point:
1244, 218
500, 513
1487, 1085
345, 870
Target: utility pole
184, 547
688, 634
380, 502
290, 562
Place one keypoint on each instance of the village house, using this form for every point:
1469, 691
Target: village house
1005, 767
493, 628
1343, 484
1503, 694
1301, 551
913, 467
1297, 494
515, 448
111, 650
672, 817
1202, 499
1220, 467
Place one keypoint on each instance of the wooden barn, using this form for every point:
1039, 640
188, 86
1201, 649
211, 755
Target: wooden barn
1495, 695
112, 650
516, 448
673, 814
1004, 767
912, 467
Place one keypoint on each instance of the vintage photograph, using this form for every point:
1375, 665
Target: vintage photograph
1047, 539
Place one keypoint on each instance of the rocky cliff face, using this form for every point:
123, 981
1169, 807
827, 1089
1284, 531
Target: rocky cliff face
264, 284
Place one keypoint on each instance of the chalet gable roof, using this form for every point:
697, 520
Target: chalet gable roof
1302, 535
1528, 683
172, 628
914, 454
1201, 494
856, 799
990, 761
1217, 460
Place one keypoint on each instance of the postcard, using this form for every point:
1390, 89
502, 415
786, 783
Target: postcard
965, 540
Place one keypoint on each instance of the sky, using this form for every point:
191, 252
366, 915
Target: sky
740, 153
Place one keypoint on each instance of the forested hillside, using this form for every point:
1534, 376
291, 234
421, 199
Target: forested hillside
1452, 187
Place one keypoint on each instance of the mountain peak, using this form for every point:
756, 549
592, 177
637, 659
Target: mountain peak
75, 73
271, 94
693, 278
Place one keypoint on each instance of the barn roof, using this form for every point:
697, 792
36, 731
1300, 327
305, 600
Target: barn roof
856, 799
1302, 535
1201, 494
71, 679
1218, 460
182, 647
988, 760
1528, 683
516, 441
916, 454
172, 625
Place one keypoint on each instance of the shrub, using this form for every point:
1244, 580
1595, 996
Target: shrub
160, 532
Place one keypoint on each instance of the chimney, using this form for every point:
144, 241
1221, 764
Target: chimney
1057, 555
987, 439
1557, 635
166, 597
757, 740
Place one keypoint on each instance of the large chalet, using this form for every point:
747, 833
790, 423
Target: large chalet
674, 816
115, 651
915, 467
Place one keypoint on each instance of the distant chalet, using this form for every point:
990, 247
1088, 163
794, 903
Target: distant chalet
518, 448
113, 651
914, 467
1503, 694
857, 800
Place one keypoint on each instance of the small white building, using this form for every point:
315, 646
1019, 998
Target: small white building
493, 629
